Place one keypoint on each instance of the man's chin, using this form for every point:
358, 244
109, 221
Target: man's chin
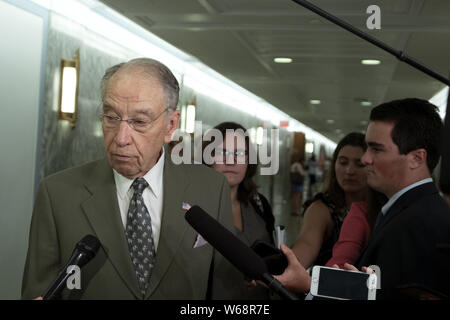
125, 170
374, 185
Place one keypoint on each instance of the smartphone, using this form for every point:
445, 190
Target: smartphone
274, 258
343, 284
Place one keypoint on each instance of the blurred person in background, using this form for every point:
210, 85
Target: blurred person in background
297, 178
311, 166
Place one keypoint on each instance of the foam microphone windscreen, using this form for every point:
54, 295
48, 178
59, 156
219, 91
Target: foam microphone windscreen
85, 250
233, 249
88, 246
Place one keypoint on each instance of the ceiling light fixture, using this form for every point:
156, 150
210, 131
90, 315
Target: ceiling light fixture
370, 62
366, 103
314, 101
282, 60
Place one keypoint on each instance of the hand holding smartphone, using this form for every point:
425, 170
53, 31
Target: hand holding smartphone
343, 284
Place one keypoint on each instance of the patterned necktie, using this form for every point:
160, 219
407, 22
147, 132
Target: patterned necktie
139, 235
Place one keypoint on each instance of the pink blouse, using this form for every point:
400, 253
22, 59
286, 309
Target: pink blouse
355, 232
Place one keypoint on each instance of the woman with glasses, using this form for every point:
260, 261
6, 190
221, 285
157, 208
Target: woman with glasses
252, 214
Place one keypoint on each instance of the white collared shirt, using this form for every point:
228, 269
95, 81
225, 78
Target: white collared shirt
397, 195
153, 196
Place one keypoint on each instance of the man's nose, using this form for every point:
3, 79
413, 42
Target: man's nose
365, 159
123, 135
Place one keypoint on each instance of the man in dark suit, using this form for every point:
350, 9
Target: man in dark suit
404, 140
132, 201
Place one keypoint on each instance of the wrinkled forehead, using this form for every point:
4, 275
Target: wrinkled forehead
124, 105
113, 99
131, 92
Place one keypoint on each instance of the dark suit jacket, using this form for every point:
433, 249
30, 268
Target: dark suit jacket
404, 244
83, 200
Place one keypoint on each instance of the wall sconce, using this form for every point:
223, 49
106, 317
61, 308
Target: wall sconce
259, 135
68, 89
188, 116
252, 134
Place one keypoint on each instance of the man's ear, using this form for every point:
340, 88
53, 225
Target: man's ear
172, 125
417, 158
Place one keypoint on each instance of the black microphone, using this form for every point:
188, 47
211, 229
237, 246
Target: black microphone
234, 250
84, 251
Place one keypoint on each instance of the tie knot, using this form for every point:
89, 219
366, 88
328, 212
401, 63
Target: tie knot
139, 185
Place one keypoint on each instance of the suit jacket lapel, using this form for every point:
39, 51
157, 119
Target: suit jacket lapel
406, 200
173, 225
397, 208
102, 211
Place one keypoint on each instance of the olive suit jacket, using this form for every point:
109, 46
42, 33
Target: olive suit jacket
83, 200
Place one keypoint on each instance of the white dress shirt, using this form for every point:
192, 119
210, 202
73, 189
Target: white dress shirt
153, 196
397, 195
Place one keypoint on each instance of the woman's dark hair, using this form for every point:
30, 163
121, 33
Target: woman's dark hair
247, 188
331, 187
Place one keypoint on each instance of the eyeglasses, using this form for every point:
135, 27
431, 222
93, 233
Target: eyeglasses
139, 124
223, 154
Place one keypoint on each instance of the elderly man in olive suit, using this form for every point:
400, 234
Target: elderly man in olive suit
132, 201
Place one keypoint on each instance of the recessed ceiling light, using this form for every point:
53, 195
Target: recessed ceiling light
314, 101
370, 62
282, 60
363, 122
366, 103
330, 121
